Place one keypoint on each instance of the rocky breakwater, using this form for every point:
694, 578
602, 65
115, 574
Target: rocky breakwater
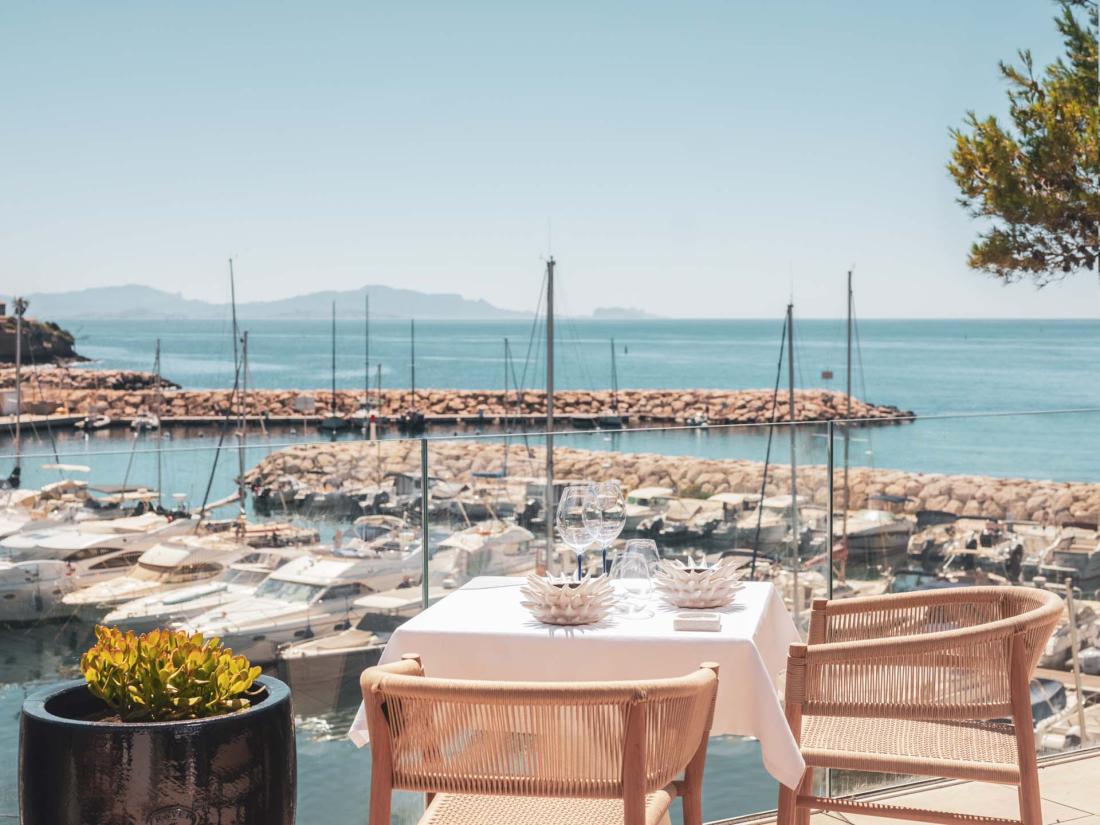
77, 378
348, 467
666, 406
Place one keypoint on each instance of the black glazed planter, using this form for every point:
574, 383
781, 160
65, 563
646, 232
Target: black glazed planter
234, 769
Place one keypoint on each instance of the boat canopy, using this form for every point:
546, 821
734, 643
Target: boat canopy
129, 524
648, 493
736, 499
321, 571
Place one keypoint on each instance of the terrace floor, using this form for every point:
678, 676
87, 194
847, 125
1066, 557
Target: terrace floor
1070, 790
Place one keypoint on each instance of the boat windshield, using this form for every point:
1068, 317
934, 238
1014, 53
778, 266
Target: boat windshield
235, 576
149, 572
285, 591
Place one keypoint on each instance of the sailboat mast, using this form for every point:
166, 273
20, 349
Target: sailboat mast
366, 350
548, 501
156, 373
847, 414
241, 424
20, 307
334, 359
614, 380
412, 364
794, 460
233, 305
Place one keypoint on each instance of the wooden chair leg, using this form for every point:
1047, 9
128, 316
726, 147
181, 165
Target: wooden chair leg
1031, 812
1031, 804
786, 813
806, 787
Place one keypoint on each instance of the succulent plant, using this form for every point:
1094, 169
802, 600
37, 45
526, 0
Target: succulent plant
166, 675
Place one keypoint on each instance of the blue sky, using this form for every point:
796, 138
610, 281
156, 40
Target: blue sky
692, 159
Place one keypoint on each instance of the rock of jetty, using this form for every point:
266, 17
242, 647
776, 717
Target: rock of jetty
639, 405
44, 342
78, 378
351, 466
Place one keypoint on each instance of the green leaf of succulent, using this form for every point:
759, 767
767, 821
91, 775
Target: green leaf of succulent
166, 675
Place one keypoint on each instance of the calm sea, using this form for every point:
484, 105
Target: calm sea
945, 371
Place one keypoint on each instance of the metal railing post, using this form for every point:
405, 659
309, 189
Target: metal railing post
829, 502
425, 545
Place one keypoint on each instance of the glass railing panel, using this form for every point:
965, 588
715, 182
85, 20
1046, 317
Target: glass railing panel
956, 501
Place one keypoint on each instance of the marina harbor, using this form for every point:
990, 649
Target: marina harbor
550, 414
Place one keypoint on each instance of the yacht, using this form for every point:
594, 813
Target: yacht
391, 559
33, 591
1075, 554
875, 536
645, 503
1058, 647
683, 520
324, 672
733, 507
767, 526
57, 540
238, 581
172, 564
489, 548
310, 596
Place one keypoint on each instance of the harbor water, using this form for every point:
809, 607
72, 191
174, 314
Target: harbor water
945, 371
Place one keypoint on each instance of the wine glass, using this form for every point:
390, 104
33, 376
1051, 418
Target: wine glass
647, 549
630, 575
577, 519
612, 508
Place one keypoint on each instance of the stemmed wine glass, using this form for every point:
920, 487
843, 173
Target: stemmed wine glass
611, 505
578, 517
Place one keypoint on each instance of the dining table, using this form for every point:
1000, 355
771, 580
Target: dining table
483, 631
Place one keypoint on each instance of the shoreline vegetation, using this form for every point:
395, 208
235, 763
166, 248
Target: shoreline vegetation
123, 394
351, 467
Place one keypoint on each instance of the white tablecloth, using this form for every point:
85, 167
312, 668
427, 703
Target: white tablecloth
481, 631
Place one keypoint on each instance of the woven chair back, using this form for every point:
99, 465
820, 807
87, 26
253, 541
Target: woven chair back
537, 739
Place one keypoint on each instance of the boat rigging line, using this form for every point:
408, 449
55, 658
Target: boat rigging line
768, 449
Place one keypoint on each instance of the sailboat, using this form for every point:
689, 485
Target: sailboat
612, 420
412, 422
866, 537
363, 416
147, 419
333, 423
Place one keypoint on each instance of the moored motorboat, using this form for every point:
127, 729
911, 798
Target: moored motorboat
145, 421
33, 591
311, 596
324, 672
238, 581
490, 548
171, 564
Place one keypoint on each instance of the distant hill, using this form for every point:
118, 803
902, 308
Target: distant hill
621, 314
143, 302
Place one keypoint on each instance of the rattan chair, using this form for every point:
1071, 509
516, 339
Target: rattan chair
546, 753
915, 683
